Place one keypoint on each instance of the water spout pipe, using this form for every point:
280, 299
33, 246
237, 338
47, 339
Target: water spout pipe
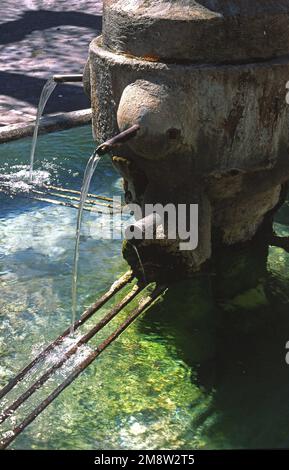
118, 140
68, 78
144, 228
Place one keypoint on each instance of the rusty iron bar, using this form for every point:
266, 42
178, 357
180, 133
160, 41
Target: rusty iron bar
119, 139
92, 202
37, 196
89, 201
143, 305
67, 204
72, 78
115, 287
74, 191
67, 354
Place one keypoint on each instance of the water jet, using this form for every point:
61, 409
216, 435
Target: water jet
92, 163
47, 91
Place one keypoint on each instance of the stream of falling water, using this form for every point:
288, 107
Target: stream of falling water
139, 261
44, 97
88, 173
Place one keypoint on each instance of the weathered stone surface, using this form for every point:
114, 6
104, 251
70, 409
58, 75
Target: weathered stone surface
228, 116
213, 133
198, 30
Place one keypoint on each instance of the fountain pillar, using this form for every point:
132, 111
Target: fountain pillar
206, 82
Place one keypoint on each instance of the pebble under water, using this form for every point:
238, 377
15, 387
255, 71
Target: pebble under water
204, 368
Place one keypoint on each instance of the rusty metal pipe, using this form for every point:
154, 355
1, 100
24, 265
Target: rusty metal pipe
146, 302
116, 287
74, 191
144, 228
68, 78
117, 140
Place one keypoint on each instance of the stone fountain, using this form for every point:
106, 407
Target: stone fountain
206, 82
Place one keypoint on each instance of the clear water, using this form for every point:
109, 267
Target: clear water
204, 368
44, 97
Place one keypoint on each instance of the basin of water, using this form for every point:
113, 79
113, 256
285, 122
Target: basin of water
205, 368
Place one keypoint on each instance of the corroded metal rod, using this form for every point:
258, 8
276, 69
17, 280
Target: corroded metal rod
116, 287
64, 203
143, 305
67, 354
74, 191
68, 78
118, 140
73, 198
145, 227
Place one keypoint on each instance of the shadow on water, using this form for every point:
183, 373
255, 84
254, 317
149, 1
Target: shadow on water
231, 329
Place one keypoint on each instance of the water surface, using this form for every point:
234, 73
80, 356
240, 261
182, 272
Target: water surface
205, 368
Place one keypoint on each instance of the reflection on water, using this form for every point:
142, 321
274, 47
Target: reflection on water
204, 368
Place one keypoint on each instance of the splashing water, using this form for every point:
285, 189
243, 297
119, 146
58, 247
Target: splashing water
44, 97
88, 174
18, 181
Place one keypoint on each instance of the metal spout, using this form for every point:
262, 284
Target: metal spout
68, 78
144, 228
118, 140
